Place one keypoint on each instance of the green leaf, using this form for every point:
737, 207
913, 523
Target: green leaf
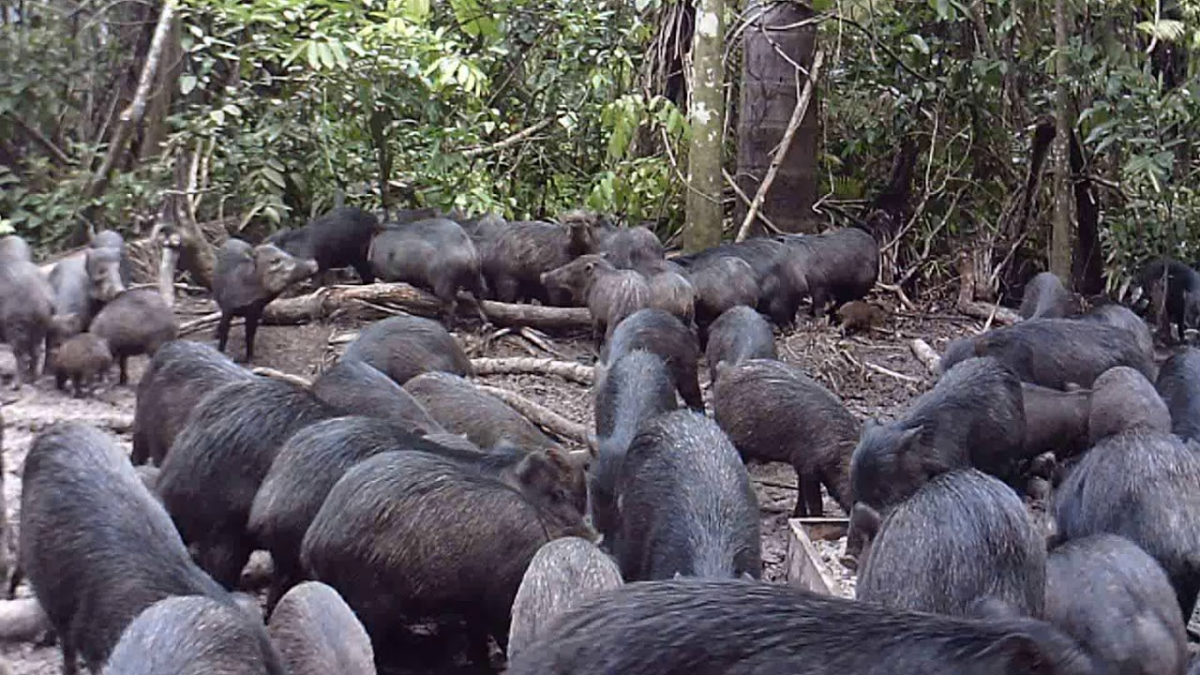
314, 58
186, 84
919, 42
1167, 30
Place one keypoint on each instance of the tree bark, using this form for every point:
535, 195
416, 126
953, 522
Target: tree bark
769, 97
704, 210
132, 116
1089, 259
1060, 234
575, 372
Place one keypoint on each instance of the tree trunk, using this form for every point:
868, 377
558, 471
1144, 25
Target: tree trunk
1060, 233
1089, 260
131, 117
165, 87
769, 95
704, 210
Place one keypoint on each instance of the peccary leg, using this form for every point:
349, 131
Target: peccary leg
251, 330
364, 270
223, 331
123, 362
810, 496
77, 384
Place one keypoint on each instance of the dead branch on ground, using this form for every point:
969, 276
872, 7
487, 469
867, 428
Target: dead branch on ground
575, 372
967, 304
540, 415
926, 355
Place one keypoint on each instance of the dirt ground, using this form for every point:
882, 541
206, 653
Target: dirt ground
852, 367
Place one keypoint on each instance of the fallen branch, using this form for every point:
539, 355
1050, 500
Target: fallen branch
785, 144
541, 415
746, 200
324, 302
891, 373
280, 375
926, 355
22, 620
575, 372
195, 325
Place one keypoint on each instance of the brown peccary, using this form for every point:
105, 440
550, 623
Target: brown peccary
180, 374
660, 333
355, 388
435, 254
1045, 298
670, 290
217, 464
516, 255
81, 359
720, 285
562, 574
193, 635
97, 547
461, 408
26, 314
611, 294
403, 347
82, 286
339, 238
247, 278
741, 333
1124, 400
15, 249
1055, 421
136, 322
839, 266
414, 536
317, 633
860, 316
631, 248
774, 412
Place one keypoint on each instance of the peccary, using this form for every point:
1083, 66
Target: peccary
403, 347
1123, 400
137, 321
611, 294
1179, 386
180, 374
670, 290
736, 336
658, 332
1117, 602
339, 238
1122, 317
778, 272
304, 471
562, 574
774, 412
318, 634
838, 266
517, 254
355, 388
81, 359
26, 308
1055, 421
216, 464
1180, 299
413, 535
461, 408
97, 547
631, 248
633, 390
435, 254
973, 417
191, 636
1056, 352
1045, 298
860, 316
13, 248
962, 539
247, 278
688, 626
1145, 487
686, 505
721, 284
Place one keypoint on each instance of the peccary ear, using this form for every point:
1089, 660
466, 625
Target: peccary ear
593, 445
910, 438
1021, 653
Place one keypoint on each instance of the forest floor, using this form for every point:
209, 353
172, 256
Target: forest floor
842, 363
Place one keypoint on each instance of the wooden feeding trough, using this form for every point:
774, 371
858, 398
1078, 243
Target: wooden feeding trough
805, 568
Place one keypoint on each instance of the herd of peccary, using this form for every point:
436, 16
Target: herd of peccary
410, 516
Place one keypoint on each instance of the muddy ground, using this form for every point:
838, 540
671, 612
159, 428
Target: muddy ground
844, 364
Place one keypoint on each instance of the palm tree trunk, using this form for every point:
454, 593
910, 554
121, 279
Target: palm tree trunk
704, 212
